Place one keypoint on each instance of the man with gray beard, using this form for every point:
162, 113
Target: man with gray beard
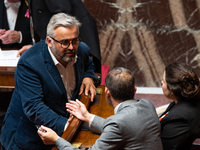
48, 75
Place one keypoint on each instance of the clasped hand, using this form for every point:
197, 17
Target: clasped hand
9, 36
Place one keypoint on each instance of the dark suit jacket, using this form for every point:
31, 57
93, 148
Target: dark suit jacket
39, 97
42, 10
181, 126
22, 24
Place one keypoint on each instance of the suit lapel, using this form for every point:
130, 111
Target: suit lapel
78, 78
79, 71
21, 15
3, 16
53, 71
168, 108
168, 116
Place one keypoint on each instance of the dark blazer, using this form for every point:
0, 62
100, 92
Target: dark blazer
181, 126
42, 10
22, 24
39, 97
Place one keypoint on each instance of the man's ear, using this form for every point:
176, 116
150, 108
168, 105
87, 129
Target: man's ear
48, 41
107, 92
135, 90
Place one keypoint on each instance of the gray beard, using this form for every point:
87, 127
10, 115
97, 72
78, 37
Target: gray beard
63, 58
67, 59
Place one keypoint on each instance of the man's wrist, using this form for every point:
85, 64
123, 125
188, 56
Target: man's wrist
20, 37
56, 138
96, 81
91, 119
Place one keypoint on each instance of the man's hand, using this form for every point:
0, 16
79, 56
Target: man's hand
10, 36
23, 49
49, 136
88, 86
2, 32
79, 110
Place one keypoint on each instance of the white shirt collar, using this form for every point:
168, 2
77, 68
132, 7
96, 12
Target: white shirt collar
53, 57
116, 108
16, 4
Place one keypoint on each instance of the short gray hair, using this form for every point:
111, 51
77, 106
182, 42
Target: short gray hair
62, 20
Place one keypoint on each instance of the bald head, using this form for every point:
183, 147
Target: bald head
121, 83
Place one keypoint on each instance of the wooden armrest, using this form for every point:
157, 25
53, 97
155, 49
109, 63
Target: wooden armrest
75, 123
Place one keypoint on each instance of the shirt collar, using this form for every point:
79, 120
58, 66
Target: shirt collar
56, 62
116, 108
16, 4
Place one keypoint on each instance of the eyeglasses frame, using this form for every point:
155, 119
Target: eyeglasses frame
70, 41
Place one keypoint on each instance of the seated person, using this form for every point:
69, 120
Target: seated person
14, 24
134, 125
180, 123
47, 76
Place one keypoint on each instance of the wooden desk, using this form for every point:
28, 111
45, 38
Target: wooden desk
78, 132
101, 108
7, 82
